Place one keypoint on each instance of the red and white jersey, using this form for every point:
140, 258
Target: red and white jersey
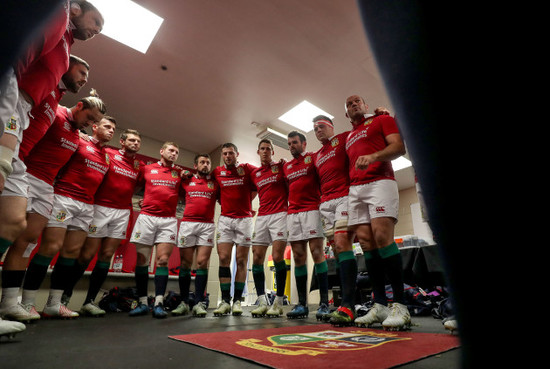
119, 184
201, 194
55, 149
272, 190
42, 117
235, 189
303, 184
332, 166
41, 76
366, 138
162, 188
81, 176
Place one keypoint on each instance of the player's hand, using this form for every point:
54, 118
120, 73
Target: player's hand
381, 111
364, 161
186, 174
140, 203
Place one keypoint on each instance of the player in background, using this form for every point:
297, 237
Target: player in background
234, 225
269, 228
156, 226
196, 233
72, 213
304, 224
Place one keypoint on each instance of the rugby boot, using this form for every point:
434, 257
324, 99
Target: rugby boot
376, 314
236, 309
323, 312
182, 309
262, 308
10, 329
398, 319
159, 312
341, 317
223, 309
140, 309
450, 324
58, 311
20, 313
298, 312
199, 310
91, 309
276, 309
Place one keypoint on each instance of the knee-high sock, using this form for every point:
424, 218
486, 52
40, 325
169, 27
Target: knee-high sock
98, 276
61, 273
77, 271
142, 279
200, 284
348, 277
280, 277
161, 281
11, 283
36, 272
259, 278
300, 273
238, 291
375, 269
393, 266
184, 280
321, 271
4, 245
225, 272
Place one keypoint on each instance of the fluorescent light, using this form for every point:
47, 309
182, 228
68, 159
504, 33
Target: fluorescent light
301, 116
128, 23
400, 163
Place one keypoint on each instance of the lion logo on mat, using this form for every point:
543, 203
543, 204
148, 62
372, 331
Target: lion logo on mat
319, 343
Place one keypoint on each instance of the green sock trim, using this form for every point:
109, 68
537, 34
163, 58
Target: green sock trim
321, 267
239, 286
183, 272
225, 286
368, 255
65, 261
345, 255
4, 244
281, 265
258, 268
41, 260
161, 271
388, 251
102, 265
202, 271
300, 270
142, 269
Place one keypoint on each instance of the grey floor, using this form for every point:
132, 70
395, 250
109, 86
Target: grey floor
118, 341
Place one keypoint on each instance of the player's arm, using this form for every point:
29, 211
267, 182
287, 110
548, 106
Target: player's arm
394, 149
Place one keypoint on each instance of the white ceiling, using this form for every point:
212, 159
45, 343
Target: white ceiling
231, 63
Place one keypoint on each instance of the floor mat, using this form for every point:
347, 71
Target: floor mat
323, 344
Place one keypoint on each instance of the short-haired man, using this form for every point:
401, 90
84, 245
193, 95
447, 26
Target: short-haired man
373, 208
112, 208
269, 228
157, 225
72, 213
43, 163
332, 167
234, 225
196, 234
304, 224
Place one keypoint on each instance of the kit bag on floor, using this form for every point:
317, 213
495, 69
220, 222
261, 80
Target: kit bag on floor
119, 299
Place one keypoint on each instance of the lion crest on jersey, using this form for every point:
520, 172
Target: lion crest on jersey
240, 171
175, 174
275, 169
335, 142
307, 159
136, 164
107, 160
210, 185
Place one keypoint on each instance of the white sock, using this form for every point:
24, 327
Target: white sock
9, 297
159, 300
29, 296
143, 300
55, 297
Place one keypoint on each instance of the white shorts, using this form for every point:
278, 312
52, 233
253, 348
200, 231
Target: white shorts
269, 228
109, 222
332, 211
71, 214
40, 198
17, 183
19, 119
9, 93
150, 230
235, 230
304, 226
196, 234
373, 200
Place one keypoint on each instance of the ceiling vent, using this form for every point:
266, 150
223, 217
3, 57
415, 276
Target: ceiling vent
277, 138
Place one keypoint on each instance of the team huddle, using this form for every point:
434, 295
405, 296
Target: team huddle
66, 193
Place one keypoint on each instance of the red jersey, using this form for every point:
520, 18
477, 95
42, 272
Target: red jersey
235, 190
162, 186
272, 190
117, 189
201, 194
55, 149
41, 77
81, 176
366, 138
42, 117
303, 184
332, 166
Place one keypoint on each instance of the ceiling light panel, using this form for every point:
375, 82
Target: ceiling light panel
301, 116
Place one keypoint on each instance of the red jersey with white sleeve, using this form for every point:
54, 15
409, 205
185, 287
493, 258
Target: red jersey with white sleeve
235, 189
54, 150
365, 138
332, 166
118, 186
162, 187
303, 184
272, 190
201, 194
80, 178
41, 118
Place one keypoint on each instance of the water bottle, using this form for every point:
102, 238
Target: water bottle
117, 265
